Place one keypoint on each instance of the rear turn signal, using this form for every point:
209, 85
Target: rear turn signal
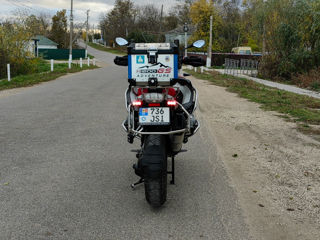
172, 103
137, 103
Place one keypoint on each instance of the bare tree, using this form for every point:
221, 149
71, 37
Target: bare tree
120, 20
148, 18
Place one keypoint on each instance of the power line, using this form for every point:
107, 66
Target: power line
13, 3
20, 4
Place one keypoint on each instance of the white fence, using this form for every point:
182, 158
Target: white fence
52, 66
241, 67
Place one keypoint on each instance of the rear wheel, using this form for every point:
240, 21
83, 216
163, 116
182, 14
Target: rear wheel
155, 169
156, 190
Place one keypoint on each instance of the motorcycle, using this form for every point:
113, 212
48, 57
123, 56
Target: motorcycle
160, 106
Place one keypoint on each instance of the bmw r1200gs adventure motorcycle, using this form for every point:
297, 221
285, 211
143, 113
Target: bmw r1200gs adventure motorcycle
160, 107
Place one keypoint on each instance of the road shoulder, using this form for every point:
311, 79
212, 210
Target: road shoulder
273, 168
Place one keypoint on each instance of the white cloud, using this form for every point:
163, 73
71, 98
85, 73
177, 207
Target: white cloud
97, 7
51, 7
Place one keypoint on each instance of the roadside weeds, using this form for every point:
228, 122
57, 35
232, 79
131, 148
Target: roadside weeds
303, 110
43, 75
117, 51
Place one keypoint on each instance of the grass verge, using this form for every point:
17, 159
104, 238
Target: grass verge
302, 109
118, 51
42, 74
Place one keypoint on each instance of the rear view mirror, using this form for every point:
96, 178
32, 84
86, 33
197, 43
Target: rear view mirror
199, 43
121, 41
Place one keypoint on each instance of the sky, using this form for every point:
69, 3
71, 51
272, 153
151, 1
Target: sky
97, 7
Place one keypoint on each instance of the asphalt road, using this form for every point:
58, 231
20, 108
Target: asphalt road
66, 169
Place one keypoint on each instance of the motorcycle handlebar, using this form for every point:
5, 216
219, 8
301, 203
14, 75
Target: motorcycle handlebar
122, 61
194, 61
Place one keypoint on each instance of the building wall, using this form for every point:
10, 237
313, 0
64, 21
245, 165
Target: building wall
30, 48
47, 47
172, 37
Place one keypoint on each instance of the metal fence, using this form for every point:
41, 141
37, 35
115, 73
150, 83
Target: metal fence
61, 54
241, 67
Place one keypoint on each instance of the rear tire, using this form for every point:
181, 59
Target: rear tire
154, 165
156, 191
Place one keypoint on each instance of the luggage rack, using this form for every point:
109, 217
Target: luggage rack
139, 130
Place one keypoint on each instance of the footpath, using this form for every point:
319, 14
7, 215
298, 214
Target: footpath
281, 86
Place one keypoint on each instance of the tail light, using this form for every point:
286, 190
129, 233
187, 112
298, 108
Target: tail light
172, 103
137, 103
154, 104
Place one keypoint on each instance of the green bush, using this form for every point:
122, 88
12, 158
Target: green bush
23, 66
292, 39
310, 79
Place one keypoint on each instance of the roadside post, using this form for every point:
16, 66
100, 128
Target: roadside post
88, 61
201, 69
71, 34
94, 62
210, 44
51, 65
185, 29
80, 62
9, 75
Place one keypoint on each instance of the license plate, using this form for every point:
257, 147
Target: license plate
154, 116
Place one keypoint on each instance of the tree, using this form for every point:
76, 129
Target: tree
141, 37
58, 31
170, 22
120, 20
200, 13
97, 36
37, 25
148, 18
182, 11
14, 43
231, 34
291, 32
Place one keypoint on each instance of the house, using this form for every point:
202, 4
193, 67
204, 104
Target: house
40, 42
178, 33
45, 43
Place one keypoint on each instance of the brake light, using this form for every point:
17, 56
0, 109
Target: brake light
154, 104
171, 102
137, 103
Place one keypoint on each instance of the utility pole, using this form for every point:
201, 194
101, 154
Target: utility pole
87, 33
210, 44
160, 28
264, 39
264, 32
93, 39
71, 31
